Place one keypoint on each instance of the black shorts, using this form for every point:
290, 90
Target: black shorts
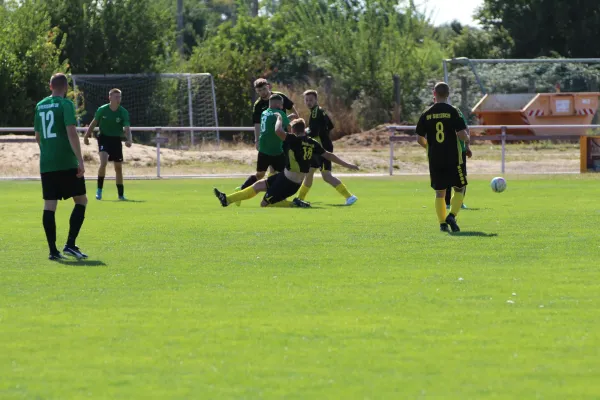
279, 188
112, 145
445, 176
264, 161
319, 162
59, 185
464, 166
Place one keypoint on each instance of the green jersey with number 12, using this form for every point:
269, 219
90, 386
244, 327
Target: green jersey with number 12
52, 116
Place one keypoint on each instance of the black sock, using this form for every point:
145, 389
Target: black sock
120, 189
448, 195
249, 182
100, 182
77, 217
49, 223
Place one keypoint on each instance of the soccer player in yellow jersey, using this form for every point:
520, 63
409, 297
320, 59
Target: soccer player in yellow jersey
112, 119
279, 187
320, 125
439, 130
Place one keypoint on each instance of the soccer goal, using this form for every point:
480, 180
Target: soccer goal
153, 100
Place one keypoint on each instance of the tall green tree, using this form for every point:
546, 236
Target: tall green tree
533, 28
29, 55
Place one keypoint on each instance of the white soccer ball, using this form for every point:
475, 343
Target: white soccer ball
498, 184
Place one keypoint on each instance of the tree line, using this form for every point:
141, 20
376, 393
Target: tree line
349, 49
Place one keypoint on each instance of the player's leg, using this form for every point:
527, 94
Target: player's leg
262, 164
336, 183
119, 179
101, 173
241, 195
464, 166
459, 182
307, 183
279, 190
448, 197
115, 153
438, 183
75, 187
51, 195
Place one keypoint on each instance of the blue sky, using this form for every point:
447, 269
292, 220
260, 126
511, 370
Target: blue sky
443, 11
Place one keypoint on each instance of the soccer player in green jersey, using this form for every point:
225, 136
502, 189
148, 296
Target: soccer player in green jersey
320, 125
266, 160
61, 164
279, 187
112, 119
270, 146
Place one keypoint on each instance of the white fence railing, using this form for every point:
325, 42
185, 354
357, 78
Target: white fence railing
503, 137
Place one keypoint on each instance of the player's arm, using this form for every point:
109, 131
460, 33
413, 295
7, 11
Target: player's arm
127, 129
279, 131
421, 132
256, 114
37, 138
464, 136
333, 158
90, 131
76, 146
36, 128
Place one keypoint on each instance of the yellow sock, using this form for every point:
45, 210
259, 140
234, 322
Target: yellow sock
341, 189
456, 202
440, 209
303, 191
283, 203
272, 173
245, 194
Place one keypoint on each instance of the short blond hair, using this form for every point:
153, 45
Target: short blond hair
298, 125
311, 92
115, 90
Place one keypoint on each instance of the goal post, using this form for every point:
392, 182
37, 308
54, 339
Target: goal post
169, 99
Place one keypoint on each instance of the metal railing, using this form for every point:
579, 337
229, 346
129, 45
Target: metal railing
503, 137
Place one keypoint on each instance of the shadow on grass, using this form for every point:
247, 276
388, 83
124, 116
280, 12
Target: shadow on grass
474, 234
124, 201
82, 263
474, 209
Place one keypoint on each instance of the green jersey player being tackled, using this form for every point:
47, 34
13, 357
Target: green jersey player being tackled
279, 187
112, 119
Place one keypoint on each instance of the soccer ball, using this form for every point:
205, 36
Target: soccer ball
498, 184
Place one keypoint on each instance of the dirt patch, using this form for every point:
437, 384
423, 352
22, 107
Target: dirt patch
378, 136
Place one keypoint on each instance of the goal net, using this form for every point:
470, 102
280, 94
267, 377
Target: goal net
153, 100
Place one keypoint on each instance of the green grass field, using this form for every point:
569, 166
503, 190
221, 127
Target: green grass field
182, 299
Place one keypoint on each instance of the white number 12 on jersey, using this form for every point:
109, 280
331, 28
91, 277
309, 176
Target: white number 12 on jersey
47, 129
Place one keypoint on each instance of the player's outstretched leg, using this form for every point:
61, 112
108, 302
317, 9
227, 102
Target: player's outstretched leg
75, 223
339, 187
101, 174
306, 184
456, 204
221, 196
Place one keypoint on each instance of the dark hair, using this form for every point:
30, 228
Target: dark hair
312, 92
298, 125
442, 90
59, 81
260, 83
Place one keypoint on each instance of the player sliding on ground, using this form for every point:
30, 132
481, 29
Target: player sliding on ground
270, 153
285, 184
320, 125
439, 129
112, 119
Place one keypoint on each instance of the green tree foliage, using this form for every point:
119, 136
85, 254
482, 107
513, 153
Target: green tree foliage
533, 28
29, 55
